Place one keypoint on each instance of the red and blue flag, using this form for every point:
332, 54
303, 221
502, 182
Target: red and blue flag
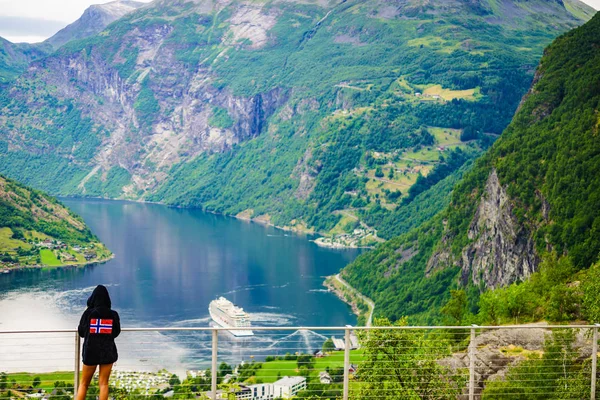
98, 325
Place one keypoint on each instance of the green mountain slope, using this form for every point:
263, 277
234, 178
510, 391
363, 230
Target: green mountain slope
35, 229
283, 111
14, 58
530, 203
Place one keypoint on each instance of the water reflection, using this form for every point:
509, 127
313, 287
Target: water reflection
170, 263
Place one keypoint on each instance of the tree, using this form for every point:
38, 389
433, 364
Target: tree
378, 172
36, 381
402, 364
174, 380
337, 374
391, 173
305, 360
591, 295
224, 369
328, 346
456, 308
3, 381
556, 370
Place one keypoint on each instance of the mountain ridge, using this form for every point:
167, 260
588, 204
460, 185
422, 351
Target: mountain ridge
93, 20
175, 101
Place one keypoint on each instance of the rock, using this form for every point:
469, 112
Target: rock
93, 21
502, 251
498, 349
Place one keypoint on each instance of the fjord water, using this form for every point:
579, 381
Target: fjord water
170, 263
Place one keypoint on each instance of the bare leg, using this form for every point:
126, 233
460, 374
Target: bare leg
87, 373
103, 380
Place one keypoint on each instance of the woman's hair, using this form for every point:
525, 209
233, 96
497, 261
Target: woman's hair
99, 298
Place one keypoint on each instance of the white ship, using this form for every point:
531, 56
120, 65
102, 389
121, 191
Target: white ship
226, 314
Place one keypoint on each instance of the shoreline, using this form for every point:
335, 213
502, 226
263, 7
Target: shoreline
350, 296
306, 232
77, 265
337, 246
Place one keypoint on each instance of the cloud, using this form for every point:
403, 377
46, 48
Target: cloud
23, 29
36, 20
66, 11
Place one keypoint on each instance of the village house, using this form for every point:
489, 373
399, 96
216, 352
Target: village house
325, 378
340, 344
285, 388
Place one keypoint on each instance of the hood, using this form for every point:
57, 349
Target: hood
99, 298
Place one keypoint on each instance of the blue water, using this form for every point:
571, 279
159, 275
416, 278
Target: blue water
170, 263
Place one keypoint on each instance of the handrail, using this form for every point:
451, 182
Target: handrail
471, 383
312, 328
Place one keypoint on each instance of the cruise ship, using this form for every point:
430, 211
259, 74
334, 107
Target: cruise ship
226, 314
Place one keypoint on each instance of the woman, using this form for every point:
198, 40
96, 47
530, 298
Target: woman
99, 326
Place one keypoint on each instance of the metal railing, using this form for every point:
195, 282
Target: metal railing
470, 362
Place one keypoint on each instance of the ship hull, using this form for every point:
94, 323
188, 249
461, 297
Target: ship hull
234, 332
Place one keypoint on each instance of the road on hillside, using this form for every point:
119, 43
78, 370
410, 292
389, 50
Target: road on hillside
363, 298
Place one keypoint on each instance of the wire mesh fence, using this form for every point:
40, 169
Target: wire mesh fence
399, 362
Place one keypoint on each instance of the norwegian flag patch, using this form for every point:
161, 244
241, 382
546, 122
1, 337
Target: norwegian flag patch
103, 326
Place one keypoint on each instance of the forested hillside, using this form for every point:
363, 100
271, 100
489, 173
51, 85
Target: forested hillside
15, 58
36, 229
302, 115
527, 211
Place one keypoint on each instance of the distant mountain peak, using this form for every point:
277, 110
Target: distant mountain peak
94, 19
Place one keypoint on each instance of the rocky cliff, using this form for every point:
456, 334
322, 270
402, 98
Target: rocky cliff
500, 251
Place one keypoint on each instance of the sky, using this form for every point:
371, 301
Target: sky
36, 20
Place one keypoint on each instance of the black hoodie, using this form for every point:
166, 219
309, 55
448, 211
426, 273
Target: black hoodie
99, 326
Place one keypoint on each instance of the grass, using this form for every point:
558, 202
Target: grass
80, 258
518, 351
37, 235
271, 369
445, 136
339, 228
432, 155
449, 94
427, 41
48, 258
47, 379
7, 243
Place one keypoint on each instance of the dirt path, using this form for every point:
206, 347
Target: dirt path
364, 298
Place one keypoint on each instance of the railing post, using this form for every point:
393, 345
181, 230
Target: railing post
346, 363
215, 347
77, 362
594, 362
472, 364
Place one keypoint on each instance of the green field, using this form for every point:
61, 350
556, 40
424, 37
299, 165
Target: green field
79, 256
445, 136
7, 243
273, 369
48, 258
47, 379
422, 155
449, 94
339, 228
